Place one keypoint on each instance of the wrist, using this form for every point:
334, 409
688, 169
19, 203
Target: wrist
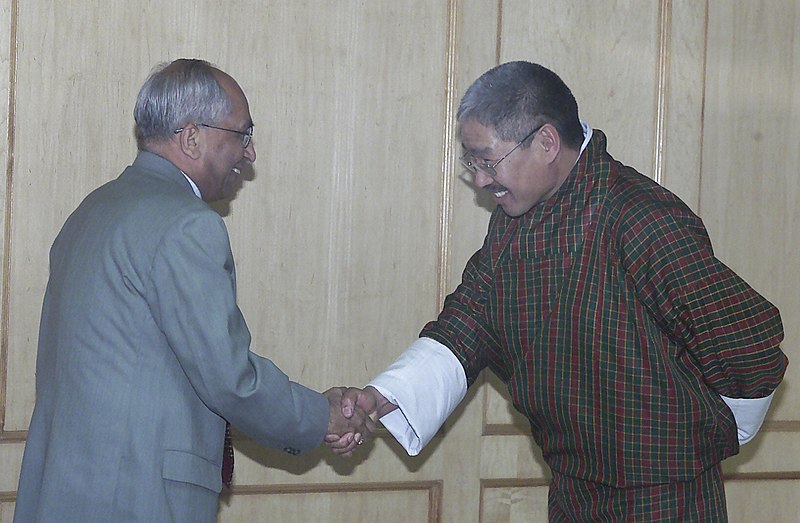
383, 405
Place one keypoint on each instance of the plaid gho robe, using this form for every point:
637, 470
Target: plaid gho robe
615, 328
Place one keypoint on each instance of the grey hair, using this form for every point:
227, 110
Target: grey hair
514, 98
175, 94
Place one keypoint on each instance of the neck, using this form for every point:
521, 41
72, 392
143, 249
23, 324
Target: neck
169, 152
566, 160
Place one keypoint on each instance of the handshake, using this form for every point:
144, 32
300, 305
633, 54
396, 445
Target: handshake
353, 415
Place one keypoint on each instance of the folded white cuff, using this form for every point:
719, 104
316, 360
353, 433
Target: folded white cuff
749, 414
427, 382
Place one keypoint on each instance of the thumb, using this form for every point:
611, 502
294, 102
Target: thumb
349, 400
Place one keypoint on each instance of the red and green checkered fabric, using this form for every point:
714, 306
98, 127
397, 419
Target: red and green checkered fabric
615, 328
699, 500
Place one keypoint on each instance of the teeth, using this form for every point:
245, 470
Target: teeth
237, 171
500, 194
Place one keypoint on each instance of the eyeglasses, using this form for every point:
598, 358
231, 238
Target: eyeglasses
246, 135
473, 164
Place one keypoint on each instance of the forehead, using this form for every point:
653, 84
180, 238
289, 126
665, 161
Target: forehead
480, 139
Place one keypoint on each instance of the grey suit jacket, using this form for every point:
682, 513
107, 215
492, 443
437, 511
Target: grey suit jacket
142, 353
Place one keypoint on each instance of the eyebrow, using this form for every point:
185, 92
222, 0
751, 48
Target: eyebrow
478, 153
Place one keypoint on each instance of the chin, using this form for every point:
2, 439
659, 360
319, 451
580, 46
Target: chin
512, 211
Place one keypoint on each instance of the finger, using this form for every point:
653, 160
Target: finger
367, 401
343, 445
349, 400
343, 442
347, 451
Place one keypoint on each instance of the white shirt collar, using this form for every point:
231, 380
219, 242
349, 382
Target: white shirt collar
587, 135
194, 186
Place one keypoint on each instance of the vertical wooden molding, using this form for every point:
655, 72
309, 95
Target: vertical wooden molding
664, 36
498, 32
12, 87
435, 502
703, 111
448, 146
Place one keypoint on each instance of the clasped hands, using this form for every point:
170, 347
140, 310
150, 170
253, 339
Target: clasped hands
353, 416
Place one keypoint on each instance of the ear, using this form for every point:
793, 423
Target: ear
550, 142
190, 141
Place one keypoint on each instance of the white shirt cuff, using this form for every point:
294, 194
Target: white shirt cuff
427, 382
749, 414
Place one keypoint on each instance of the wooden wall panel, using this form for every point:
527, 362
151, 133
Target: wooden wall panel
349, 163
683, 32
412, 505
512, 457
6, 512
336, 230
5, 142
750, 189
476, 53
774, 453
609, 63
10, 460
343, 211
513, 504
763, 500
73, 131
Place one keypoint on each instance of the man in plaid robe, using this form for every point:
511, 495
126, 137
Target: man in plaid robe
640, 359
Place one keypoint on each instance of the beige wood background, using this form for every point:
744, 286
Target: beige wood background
355, 220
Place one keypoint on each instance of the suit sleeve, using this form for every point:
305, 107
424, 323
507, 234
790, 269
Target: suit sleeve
194, 304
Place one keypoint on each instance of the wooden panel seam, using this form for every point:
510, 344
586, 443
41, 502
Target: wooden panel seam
662, 87
702, 111
508, 429
431, 486
448, 146
434, 489
763, 476
514, 483
781, 426
13, 436
498, 32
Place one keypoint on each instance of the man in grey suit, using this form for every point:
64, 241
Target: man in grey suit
143, 353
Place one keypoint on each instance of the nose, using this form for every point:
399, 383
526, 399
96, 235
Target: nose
250, 152
482, 179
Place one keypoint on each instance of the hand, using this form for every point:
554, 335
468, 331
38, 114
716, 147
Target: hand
369, 400
347, 431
